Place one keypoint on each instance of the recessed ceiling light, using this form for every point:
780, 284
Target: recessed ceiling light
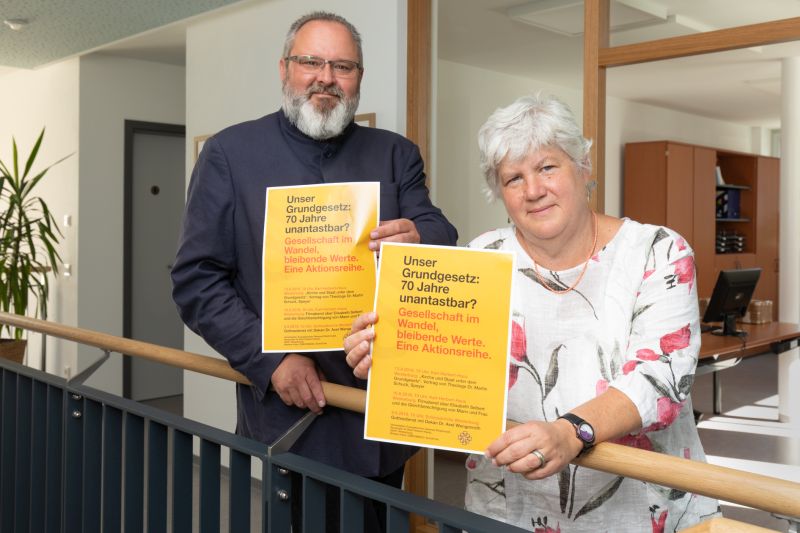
16, 24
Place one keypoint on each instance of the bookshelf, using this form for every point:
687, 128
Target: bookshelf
676, 185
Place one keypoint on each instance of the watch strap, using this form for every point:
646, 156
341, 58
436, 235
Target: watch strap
583, 430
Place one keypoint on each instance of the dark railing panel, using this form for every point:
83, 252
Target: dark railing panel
92, 462
264, 495
279, 491
313, 499
22, 482
397, 520
112, 470
8, 422
399, 504
55, 462
95, 462
73, 464
133, 491
181, 482
351, 511
239, 492
209, 486
38, 457
157, 444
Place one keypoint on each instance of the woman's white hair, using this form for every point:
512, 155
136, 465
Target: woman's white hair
529, 124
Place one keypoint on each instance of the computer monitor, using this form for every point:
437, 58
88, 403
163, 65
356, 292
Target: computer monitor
730, 298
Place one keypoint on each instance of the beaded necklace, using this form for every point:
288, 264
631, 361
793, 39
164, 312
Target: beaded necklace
544, 282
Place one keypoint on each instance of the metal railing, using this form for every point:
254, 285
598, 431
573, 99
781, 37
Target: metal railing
73, 458
76, 459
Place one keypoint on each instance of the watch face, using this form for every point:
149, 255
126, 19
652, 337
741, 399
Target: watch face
586, 432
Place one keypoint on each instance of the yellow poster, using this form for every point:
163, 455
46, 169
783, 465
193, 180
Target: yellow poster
319, 273
440, 354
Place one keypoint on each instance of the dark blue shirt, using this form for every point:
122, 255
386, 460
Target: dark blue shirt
217, 273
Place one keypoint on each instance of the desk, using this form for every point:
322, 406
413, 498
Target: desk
718, 353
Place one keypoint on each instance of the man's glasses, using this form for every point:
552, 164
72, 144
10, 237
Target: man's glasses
341, 68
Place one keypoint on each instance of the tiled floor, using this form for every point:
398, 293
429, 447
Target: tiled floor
747, 436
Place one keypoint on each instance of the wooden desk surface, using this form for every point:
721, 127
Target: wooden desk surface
758, 340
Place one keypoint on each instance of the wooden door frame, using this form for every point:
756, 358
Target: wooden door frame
598, 56
418, 106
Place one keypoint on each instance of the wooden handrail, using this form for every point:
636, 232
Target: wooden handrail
203, 364
728, 484
725, 525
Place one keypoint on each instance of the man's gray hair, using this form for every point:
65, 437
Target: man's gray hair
327, 17
529, 124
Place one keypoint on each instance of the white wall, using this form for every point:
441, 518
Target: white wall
29, 101
631, 122
112, 90
467, 96
232, 76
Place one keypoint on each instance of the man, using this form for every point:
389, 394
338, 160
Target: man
217, 273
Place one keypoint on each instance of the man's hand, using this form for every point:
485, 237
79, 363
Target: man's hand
398, 230
296, 380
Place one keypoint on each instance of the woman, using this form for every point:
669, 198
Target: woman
605, 340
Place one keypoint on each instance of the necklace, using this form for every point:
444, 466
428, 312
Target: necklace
544, 283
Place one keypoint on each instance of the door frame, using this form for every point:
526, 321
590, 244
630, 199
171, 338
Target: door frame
133, 127
598, 57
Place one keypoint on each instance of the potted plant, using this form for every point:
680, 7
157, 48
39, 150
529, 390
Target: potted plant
28, 238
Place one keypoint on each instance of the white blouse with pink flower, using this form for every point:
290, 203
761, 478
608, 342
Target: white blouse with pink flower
632, 324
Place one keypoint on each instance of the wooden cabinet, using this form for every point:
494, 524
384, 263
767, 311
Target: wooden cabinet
674, 184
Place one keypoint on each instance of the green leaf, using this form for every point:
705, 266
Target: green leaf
552, 372
667, 492
15, 176
601, 361
660, 387
616, 360
29, 236
660, 234
685, 384
563, 488
639, 310
602, 496
34, 151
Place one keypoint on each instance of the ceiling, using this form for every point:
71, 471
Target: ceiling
57, 30
738, 86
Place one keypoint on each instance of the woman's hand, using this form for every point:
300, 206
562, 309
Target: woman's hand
356, 345
555, 441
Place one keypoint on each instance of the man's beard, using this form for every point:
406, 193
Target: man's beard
319, 124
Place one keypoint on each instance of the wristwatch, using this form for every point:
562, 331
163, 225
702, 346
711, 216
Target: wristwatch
583, 430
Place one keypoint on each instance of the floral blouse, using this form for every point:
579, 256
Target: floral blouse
632, 324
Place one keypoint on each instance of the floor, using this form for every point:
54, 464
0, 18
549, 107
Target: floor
746, 436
